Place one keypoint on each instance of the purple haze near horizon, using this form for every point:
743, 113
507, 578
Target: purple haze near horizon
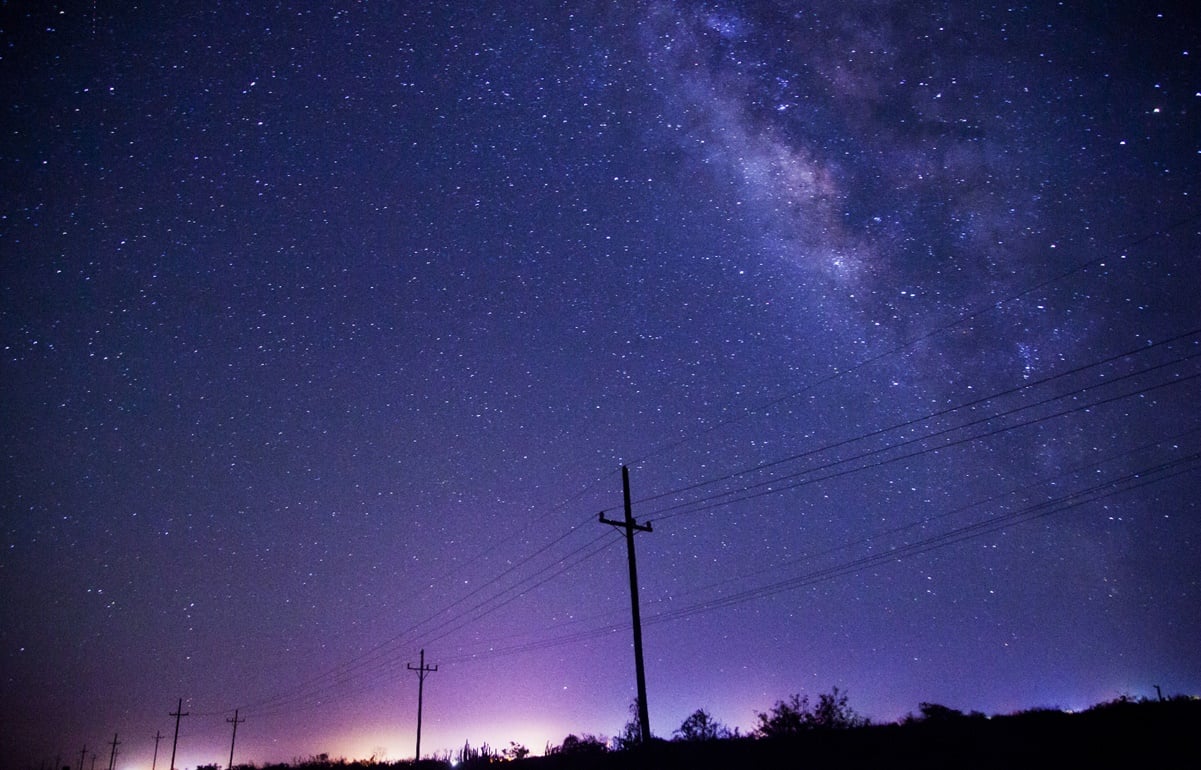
326, 333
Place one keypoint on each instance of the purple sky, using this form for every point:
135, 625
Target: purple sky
326, 334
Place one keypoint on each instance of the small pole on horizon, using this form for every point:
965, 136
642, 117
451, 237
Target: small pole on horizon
157, 737
235, 722
112, 758
422, 670
177, 713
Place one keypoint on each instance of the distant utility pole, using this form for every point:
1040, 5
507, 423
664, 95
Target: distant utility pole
157, 737
631, 526
177, 713
112, 758
422, 670
82, 753
235, 722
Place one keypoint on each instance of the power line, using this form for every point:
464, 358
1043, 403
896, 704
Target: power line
961, 427
920, 452
381, 655
746, 493
329, 684
871, 359
1047, 508
925, 418
1125, 483
613, 627
925, 520
380, 662
384, 651
604, 546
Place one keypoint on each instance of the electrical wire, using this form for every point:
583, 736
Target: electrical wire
321, 686
1154, 474
871, 359
384, 654
748, 492
925, 418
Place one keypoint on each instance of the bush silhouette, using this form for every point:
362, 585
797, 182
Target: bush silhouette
795, 716
575, 745
701, 726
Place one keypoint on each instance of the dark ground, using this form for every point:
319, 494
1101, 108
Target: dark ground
1124, 734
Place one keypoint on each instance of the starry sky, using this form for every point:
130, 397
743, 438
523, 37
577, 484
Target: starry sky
327, 329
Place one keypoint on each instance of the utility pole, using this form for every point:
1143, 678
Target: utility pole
157, 737
235, 722
112, 758
422, 670
177, 713
82, 753
631, 526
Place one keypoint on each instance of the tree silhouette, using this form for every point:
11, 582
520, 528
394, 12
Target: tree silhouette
795, 716
581, 744
701, 726
788, 717
631, 733
832, 712
515, 751
936, 713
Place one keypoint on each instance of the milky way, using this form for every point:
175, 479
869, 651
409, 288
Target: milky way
326, 334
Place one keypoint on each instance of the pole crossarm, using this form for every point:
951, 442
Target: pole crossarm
631, 524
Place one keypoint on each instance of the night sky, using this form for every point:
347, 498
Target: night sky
326, 333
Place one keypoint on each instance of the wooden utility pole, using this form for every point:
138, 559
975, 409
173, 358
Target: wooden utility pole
235, 722
422, 670
157, 737
631, 526
112, 758
82, 753
177, 713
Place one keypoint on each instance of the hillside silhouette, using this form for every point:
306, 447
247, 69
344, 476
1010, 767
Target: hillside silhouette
1123, 733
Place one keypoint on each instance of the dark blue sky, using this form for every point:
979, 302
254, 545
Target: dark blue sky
326, 334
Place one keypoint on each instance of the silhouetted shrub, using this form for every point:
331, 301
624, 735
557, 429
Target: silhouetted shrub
471, 758
631, 733
701, 726
580, 744
515, 752
833, 712
795, 716
785, 718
